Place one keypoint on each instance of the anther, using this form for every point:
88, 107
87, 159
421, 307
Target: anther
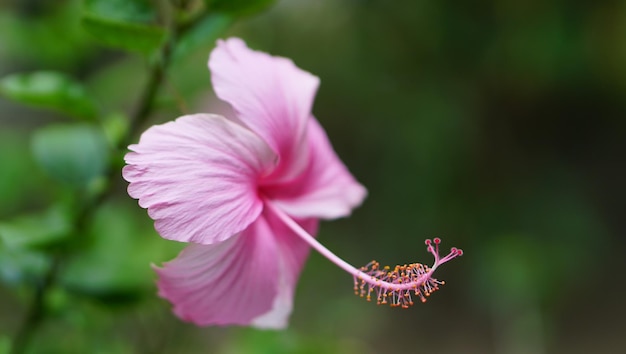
395, 286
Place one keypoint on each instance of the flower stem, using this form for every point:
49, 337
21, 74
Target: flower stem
350, 269
394, 286
312, 241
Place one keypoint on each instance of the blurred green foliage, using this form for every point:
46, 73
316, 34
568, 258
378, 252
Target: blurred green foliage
49, 90
238, 7
35, 230
129, 25
498, 126
73, 154
203, 35
115, 266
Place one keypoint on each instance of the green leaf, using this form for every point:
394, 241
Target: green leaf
203, 35
238, 7
21, 265
125, 35
124, 24
20, 182
116, 265
44, 34
141, 11
73, 154
115, 127
49, 90
36, 230
21, 259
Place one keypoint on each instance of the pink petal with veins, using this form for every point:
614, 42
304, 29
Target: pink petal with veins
249, 279
197, 177
270, 95
325, 189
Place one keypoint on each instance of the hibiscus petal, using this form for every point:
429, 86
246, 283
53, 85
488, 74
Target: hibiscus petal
248, 279
270, 95
197, 177
293, 254
326, 189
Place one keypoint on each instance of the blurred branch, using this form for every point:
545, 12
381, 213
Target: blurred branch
157, 72
156, 77
36, 311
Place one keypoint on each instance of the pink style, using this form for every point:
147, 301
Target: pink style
247, 193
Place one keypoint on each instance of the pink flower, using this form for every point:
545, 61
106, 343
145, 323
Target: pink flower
247, 193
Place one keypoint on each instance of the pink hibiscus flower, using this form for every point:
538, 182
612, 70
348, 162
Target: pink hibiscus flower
247, 192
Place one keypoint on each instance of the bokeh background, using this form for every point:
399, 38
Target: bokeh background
495, 125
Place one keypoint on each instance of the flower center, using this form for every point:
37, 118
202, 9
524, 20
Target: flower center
394, 287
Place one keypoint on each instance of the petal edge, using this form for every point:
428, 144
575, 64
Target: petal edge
270, 95
197, 177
